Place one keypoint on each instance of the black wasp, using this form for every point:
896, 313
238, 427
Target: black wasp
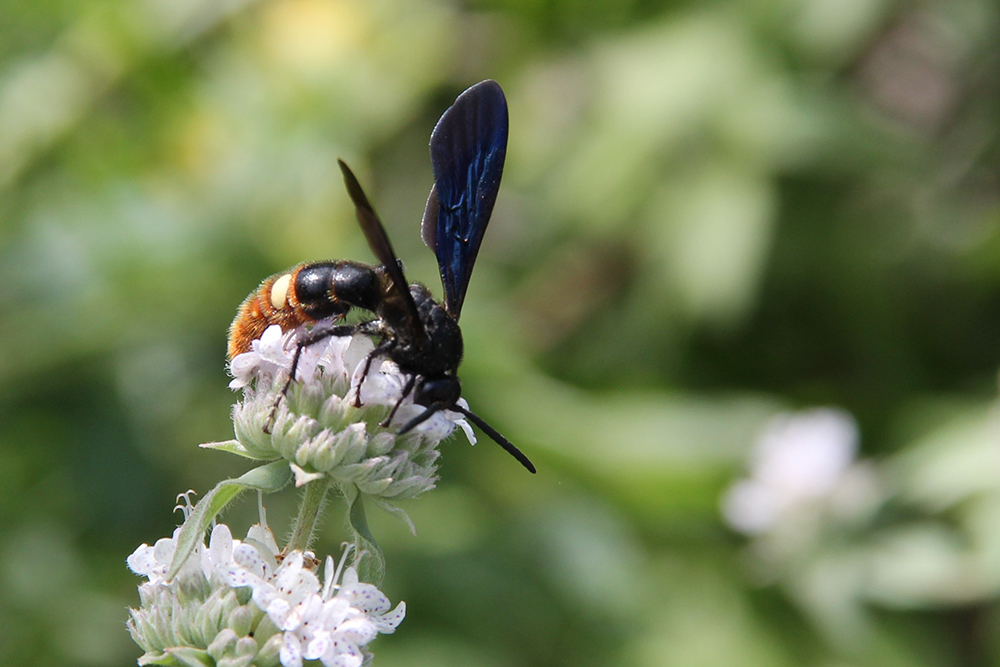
468, 147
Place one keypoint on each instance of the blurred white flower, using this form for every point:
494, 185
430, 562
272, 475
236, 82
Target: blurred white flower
806, 503
801, 462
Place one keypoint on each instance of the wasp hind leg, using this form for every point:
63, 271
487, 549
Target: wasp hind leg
309, 339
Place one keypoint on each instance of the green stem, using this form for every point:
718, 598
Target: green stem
309, 511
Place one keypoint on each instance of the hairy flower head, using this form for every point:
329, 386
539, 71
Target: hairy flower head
318, 426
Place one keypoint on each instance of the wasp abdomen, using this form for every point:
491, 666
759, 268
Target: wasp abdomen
304, 294
323, 288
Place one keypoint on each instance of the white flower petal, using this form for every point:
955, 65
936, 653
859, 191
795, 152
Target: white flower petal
359, 630
246, 568
308, 362
271, 346
467, 429
264, 536
318, 646
163, 550
750, 507
798, 466
804, 454
280, 611
388, 622
220, 544
357, 350
242, 368
343, 654
350, 576
366, 597
141, 561
335, 612
291, 651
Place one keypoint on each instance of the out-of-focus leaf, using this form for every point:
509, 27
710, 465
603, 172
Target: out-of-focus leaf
700, 618
710, 233
954, 462
594, 557
925, 564
657, 450
835, 29
368, 558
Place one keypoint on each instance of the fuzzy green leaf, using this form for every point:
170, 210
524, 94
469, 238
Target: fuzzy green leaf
368, 560
232, 447
181, 656
191, 657
267, 479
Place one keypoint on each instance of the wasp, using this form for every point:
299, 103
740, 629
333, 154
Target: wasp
420, 334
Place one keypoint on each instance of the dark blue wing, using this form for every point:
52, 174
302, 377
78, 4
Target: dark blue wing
468, 146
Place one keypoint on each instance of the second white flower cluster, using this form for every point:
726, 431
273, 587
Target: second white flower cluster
286, 612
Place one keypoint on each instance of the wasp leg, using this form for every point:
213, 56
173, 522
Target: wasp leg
311, 338
406, 392
421, 418
383, 346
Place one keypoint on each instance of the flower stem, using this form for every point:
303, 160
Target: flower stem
309, 511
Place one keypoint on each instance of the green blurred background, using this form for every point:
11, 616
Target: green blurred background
711, 213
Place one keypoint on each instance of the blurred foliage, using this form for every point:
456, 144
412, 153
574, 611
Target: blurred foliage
711, 212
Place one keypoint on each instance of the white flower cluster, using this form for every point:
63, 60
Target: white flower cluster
317, 427
233, 604
802, 471
809, 505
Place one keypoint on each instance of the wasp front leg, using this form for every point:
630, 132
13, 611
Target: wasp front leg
384, 346
406, 392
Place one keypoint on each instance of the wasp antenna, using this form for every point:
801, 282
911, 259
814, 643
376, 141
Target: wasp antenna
497, 438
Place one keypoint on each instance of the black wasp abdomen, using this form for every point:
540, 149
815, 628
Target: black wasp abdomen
325, 289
